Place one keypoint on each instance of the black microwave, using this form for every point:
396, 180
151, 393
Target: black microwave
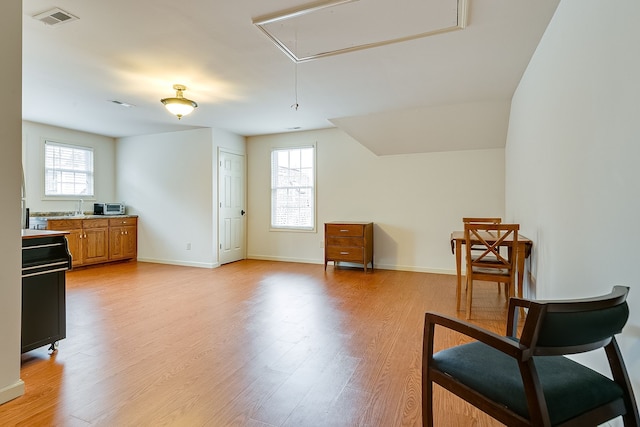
108, 208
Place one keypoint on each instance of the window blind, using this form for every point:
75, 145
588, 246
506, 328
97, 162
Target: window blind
293, 188
68, 170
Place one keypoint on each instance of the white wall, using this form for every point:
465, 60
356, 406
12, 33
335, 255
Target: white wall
34, 135
485, 125
573, 148
414, 200
229, 141
11, 386
170, 181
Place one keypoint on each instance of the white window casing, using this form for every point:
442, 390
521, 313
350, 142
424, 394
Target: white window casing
68, 170
293, 188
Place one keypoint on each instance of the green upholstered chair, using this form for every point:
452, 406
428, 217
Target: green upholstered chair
526, 380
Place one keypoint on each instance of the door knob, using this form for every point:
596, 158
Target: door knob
242, 212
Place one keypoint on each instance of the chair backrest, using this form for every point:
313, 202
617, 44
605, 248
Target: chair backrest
490, 238
479, 220
571, 326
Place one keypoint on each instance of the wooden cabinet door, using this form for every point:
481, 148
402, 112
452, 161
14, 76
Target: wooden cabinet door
74, 243
74, 238
123, 242
123, 238
115, 243
130, 241
95, 245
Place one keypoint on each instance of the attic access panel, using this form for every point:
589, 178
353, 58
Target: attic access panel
326, 28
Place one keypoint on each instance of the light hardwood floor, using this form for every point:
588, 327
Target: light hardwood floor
252, 343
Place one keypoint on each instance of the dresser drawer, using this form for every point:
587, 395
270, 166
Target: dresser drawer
356, 230
345, 253
345, 241
64, 224
95, 223
116, 222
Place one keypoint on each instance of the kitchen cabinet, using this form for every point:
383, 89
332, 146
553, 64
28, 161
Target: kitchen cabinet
123, 241
95, 241
98, 240
88, 239
348, 242
74, 239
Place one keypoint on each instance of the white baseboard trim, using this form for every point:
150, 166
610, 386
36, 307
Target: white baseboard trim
283, 259
395, 267
12, 391
376, 266
415, 269
182, 263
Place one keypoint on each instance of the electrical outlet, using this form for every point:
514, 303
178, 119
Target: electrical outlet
322, 243
188, 246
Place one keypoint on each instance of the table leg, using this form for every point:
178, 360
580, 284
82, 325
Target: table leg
459, 272
520, 253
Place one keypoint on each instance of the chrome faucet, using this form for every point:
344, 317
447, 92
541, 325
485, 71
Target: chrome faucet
80, 207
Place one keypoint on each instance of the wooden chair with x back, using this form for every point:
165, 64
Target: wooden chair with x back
488, 263
479, 220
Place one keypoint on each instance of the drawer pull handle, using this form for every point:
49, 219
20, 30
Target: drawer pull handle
344, 231
344, 253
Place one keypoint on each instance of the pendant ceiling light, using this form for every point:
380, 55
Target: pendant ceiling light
180, 106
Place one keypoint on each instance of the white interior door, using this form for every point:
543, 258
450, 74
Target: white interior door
231, 183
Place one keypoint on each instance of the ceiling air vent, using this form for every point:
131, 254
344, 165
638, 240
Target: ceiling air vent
55, 17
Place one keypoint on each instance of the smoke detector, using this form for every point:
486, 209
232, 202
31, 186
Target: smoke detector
55, 16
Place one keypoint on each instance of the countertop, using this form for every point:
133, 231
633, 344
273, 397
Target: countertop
32, 234
39, 220
83, 216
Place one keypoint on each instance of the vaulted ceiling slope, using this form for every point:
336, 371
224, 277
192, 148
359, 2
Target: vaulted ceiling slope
447, 91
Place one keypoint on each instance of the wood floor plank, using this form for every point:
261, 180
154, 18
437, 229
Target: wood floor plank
252, 343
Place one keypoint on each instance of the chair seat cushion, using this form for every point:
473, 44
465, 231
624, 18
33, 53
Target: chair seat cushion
491, 270
486, 258
570, 388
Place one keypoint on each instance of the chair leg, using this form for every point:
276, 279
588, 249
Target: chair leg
427, 403
469, 296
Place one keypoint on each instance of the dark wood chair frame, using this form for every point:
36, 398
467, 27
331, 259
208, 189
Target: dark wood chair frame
523, 351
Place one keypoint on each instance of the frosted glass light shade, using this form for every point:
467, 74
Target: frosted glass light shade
179, 106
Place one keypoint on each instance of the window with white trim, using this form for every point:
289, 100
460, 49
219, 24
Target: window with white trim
293, 195
68, 170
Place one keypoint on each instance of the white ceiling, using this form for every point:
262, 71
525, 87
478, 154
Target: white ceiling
442, 92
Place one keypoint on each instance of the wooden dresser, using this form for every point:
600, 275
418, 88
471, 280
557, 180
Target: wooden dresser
348, 242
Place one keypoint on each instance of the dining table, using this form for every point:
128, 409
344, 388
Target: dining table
523, 250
